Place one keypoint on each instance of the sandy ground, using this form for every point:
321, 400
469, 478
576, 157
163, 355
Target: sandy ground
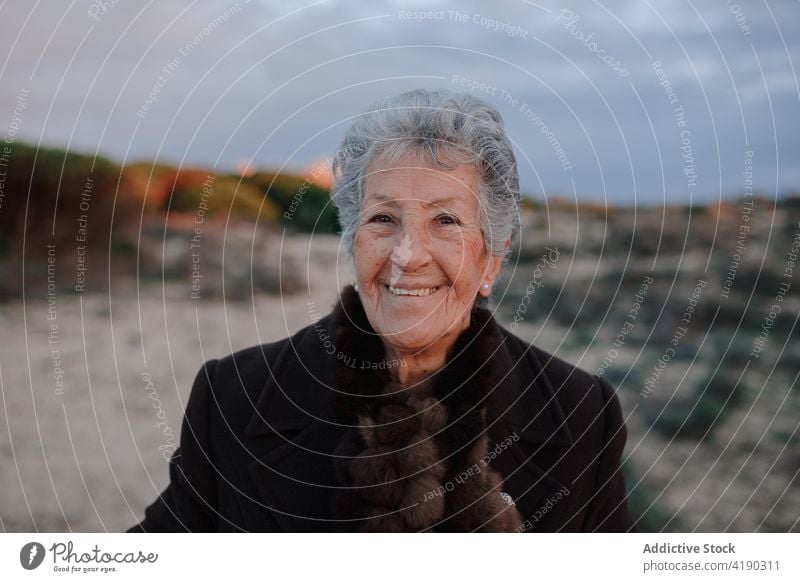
90, 455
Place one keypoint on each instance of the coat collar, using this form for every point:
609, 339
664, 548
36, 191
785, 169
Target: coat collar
295, 427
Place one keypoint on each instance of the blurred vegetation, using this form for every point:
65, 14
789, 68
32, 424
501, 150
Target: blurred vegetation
302, 205
43, 189
90, 209
643, 503
695, 415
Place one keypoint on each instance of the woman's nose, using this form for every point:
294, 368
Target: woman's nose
413, 250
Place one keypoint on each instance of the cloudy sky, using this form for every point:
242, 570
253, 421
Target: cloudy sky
629, 101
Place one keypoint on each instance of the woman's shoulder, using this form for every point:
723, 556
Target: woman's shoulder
239, 378
555, 367
579, 393
256, 360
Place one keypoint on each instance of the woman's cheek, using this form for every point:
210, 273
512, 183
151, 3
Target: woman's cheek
363, 241
370, 252
474, 245
461, 242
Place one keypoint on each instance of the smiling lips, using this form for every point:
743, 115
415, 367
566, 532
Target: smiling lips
418, 292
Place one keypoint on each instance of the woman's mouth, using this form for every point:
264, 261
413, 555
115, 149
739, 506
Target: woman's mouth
419, 292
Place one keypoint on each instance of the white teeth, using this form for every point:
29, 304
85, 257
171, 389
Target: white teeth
416, 292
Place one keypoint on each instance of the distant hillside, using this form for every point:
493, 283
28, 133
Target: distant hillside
66, 212
45, 191
71, 211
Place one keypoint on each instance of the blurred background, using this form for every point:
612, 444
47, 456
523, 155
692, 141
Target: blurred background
164, 179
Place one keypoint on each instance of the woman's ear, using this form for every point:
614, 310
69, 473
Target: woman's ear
493, 268
492, 271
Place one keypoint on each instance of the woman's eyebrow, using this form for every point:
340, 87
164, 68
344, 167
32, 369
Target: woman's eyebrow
381, 198
441, 201
427, 203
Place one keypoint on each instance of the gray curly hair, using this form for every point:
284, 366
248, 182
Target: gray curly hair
444, 129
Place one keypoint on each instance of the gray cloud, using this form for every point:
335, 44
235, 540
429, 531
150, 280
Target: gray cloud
277, 82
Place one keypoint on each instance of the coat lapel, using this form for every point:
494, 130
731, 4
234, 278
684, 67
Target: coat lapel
293, 430
292, 434
523, 405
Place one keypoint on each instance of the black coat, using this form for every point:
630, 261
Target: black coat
257, 441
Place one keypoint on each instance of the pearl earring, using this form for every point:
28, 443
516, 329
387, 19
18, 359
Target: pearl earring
355, 287
486, 285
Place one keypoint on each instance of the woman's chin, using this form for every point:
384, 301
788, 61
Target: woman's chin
413, 335
408, 333
411, 322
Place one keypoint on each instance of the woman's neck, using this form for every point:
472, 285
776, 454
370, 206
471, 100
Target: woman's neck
412, 369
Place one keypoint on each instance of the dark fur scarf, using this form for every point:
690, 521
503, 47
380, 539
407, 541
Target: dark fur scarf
409, 463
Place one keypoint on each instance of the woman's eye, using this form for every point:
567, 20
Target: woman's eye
379, 218
447, 219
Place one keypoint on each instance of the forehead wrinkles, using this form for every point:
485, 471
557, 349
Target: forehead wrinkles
438, 202
463, 176
394, 188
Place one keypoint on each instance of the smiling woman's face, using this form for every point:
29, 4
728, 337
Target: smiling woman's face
419, 253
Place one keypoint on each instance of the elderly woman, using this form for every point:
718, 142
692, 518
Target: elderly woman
407, 408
